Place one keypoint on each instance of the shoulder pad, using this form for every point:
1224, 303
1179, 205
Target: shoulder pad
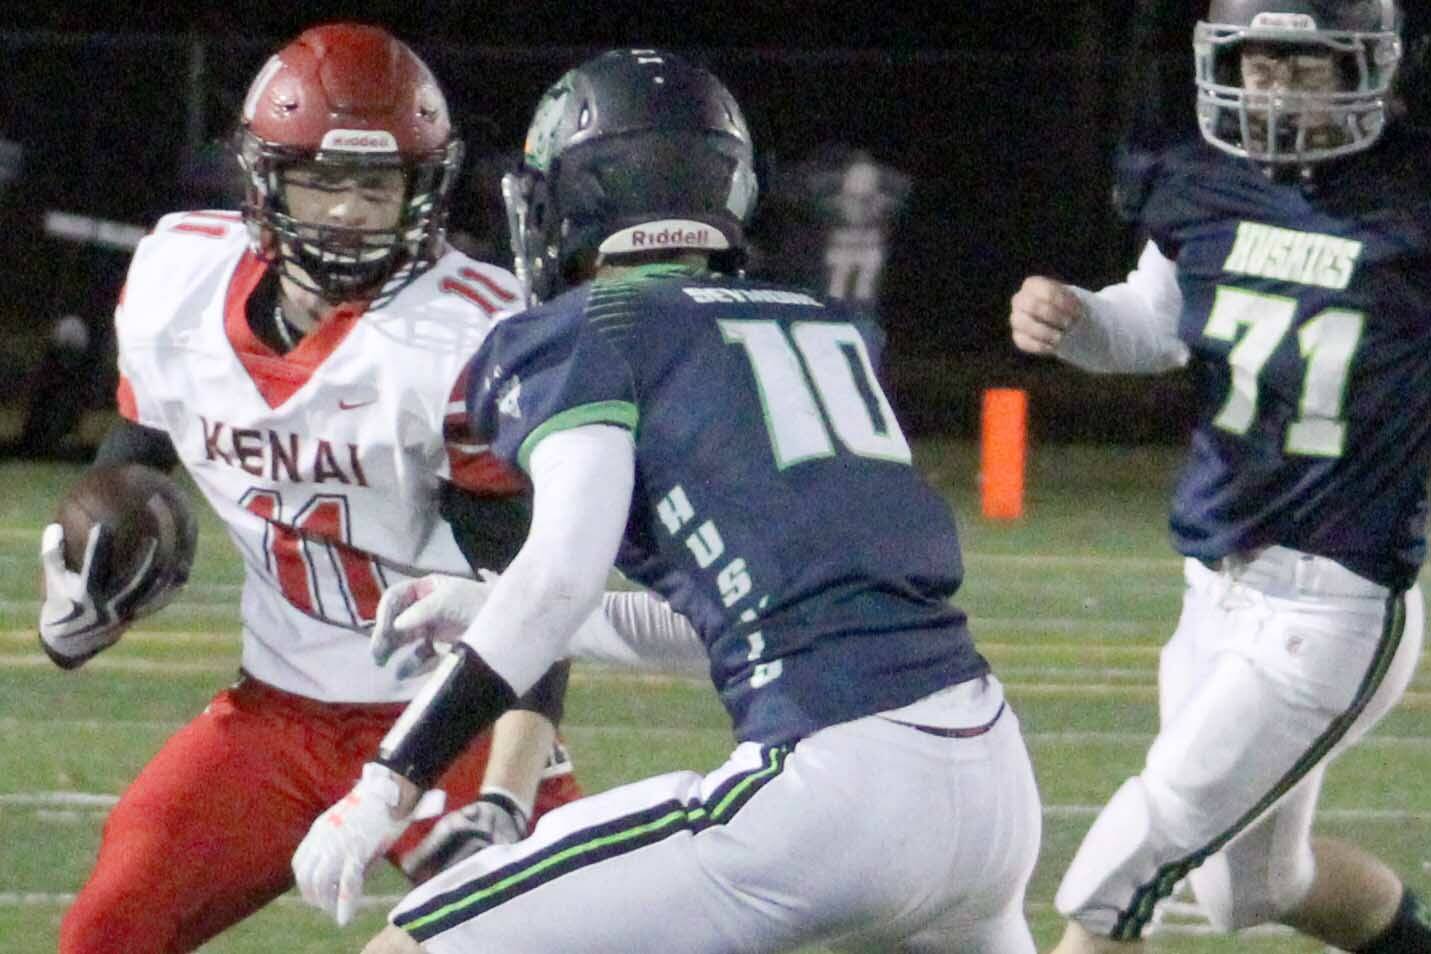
181, 238
1135, 170
1392, 182
493, 290
185, 250
210, 224
1162, 191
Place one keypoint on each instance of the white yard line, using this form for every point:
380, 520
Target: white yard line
1379, 815
1154, 626
1159, 564
226, 666
1065, 624
1061, 674
1082, 681
225, 610
96, 802
57, 800
1081, 648
32, 535
1207, 930
11, 724
1113, 675
41, 899
1145, 738
156, 637
1131, 739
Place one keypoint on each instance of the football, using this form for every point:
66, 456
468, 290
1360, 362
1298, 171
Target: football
138, 504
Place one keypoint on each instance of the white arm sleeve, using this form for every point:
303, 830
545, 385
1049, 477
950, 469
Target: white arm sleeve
581, 485
1131, 328
639, 630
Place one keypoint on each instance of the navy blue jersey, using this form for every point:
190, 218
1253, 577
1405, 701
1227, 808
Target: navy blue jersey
775, 503
1307, 309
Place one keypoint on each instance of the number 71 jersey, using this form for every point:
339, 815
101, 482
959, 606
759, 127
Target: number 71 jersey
325, 463
775, 506
1307, 312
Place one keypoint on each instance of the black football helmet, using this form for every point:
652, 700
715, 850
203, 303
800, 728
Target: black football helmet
349, 97
1273, 128
632, 151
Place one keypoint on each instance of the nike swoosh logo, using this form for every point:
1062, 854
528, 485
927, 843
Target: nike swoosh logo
348, 406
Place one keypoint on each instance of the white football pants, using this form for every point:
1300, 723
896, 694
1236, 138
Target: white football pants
1279, 663
868, 835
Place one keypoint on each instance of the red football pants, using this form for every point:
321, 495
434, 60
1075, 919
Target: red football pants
205, 835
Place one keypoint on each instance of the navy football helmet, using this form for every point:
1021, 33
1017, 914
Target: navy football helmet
632, 151
1291, 127
347, 97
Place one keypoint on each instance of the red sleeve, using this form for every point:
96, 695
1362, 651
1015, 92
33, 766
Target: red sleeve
473, 466
124, 395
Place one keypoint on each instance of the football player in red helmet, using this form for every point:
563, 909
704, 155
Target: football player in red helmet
349, 158
300, 359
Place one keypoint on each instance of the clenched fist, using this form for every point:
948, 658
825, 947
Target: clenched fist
1041, 312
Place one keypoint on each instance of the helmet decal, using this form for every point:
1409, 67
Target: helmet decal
260, 86
542, 136
743, 190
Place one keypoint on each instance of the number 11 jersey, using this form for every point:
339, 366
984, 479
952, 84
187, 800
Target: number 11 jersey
323, 463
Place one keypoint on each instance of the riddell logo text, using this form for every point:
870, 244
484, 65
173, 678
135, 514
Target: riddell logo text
699, 238
360, 141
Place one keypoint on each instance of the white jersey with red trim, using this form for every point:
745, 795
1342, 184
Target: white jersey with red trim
323, 463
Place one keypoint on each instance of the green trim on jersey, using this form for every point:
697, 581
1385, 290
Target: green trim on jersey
613, 838
618, 413
629, 274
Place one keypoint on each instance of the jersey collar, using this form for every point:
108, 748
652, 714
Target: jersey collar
277, 377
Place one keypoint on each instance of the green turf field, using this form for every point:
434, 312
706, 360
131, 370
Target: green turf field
1070, 605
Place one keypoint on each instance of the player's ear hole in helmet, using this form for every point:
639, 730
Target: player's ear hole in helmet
1290, 126
333, 109
632, 152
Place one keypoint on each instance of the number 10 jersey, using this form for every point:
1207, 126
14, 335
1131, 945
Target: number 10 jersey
776, 503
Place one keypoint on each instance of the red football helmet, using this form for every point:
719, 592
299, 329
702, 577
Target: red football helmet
348, 97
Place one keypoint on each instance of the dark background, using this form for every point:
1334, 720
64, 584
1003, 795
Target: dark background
1003, 115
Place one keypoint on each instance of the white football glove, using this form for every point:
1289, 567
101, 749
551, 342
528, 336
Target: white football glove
76, 621
333, 857
417, 620
493, 819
